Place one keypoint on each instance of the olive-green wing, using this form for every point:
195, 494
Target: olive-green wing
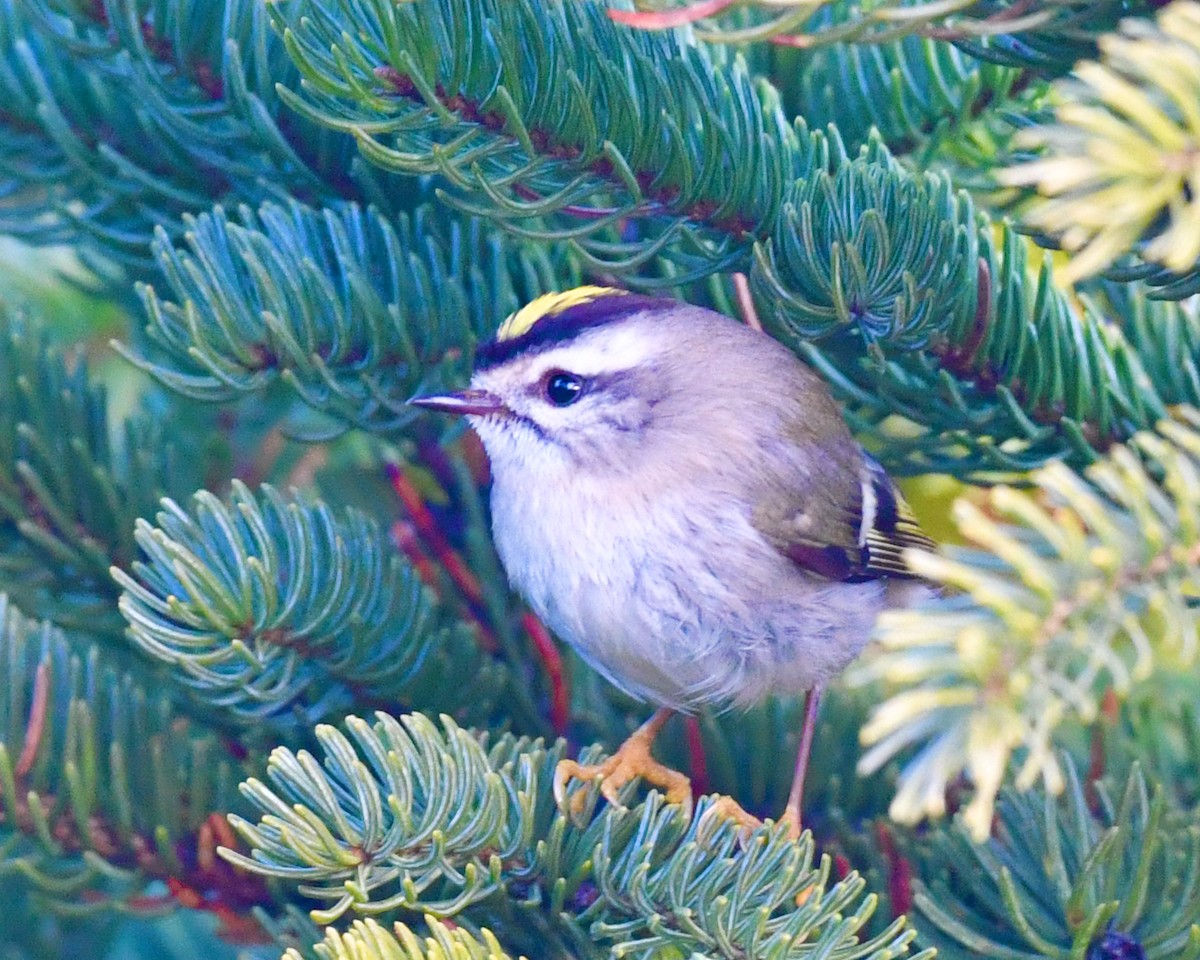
860, 534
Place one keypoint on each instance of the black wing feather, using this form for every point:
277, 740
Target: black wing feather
887, 527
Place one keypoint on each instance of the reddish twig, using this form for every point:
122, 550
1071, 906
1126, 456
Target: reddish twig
405, 537
217, 887
476, 458
36, 726
697, 762
799, 41
431, 535
961, 359
899, 873
560, 699
421, 536
266, 456
1110, 712
304, 471
746, 302
666, 19
239, 928
207, 838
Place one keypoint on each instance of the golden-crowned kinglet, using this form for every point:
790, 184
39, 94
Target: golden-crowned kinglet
677, 497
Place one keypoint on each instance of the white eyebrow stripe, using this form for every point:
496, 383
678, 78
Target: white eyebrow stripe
594, 353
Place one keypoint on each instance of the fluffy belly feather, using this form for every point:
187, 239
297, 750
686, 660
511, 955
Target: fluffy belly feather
713, 615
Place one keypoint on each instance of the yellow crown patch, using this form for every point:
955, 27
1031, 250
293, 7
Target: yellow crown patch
547, 305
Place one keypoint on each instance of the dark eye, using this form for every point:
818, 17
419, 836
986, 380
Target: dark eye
563, 389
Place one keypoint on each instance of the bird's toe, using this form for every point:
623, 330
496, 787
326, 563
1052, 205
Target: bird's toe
726, 808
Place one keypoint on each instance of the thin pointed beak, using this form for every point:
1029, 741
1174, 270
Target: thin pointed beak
477, 402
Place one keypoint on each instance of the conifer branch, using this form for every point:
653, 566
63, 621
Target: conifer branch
992, 390
1161, 731
350, 310
278, 614
1084, 587
1117, 876
925, 98
1118, 167
1045, 34
69, 494
366, 832
368, 940
1165, 336
118, 120
103, 785
519, 147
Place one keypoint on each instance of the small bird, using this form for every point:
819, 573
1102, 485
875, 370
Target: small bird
677, 496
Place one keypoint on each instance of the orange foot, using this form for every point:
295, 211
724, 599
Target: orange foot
726, 808
793, 824
631, 761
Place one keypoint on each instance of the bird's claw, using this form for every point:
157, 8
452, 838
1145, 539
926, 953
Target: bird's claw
631, 761
726, 808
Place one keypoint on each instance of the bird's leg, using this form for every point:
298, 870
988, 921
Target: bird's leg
729, 809
631, 760
791, 814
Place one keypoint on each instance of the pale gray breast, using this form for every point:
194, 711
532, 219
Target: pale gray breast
676, 600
